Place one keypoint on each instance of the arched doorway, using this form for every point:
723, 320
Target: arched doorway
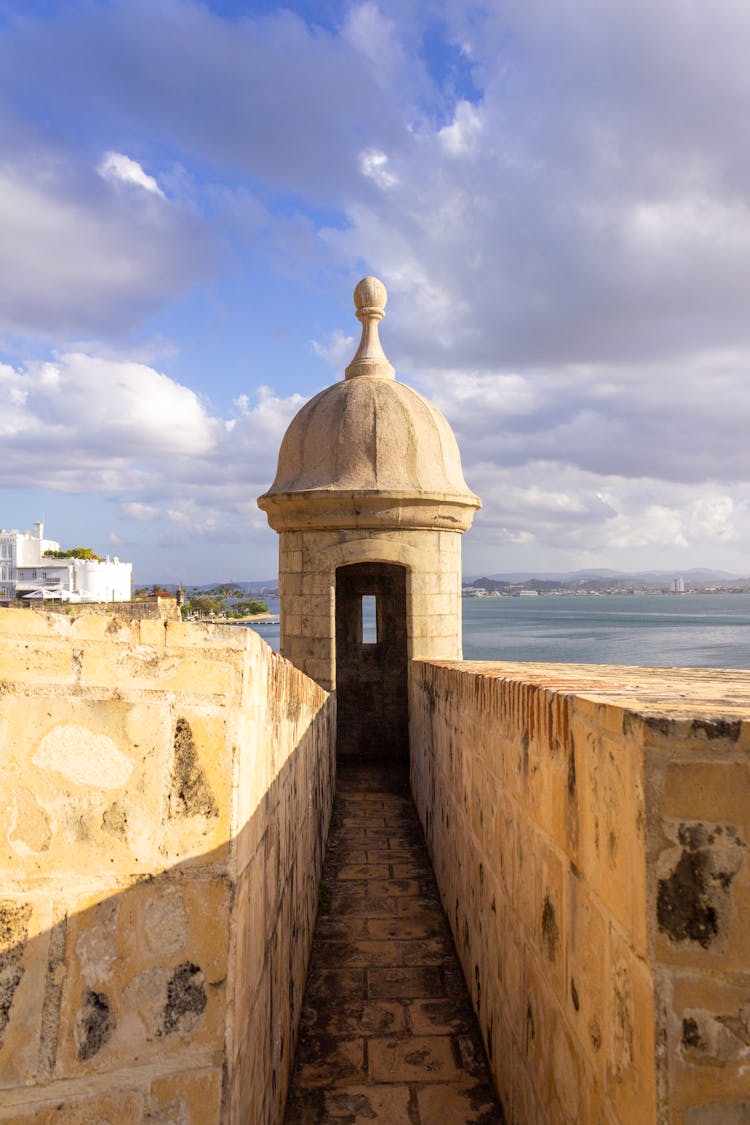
371, 661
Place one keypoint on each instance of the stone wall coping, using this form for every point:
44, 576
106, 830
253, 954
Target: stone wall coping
674, 693
122, 628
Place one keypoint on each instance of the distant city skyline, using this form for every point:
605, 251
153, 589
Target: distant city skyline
555, 198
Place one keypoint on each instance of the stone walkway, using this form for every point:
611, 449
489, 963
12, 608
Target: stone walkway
387, 1033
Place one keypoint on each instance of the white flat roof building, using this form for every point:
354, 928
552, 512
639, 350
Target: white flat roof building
26, 571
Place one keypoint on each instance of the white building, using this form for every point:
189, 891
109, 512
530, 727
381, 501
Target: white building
26, 572
21, 548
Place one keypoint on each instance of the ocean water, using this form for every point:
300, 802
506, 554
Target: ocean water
685, 630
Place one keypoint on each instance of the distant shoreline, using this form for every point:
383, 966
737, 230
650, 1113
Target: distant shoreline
250, 617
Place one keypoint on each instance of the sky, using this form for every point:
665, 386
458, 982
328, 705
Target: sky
556, 196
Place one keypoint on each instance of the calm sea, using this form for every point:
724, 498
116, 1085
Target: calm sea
684, 630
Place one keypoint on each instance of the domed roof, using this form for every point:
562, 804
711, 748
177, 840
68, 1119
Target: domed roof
370, 435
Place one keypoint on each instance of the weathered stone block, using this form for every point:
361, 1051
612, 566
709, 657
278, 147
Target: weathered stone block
630, 1033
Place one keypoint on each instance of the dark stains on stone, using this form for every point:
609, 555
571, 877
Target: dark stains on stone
691, 1036
691, 900
190, 793
14, 929
718, 728
550, 931
94, 1025
525, 753
572, 770
629, 723
683, 908
186, 998
574, 995
479, 1097
691, 836
710, 729
430, 695
478, 982
612, 847
10, 977
595, 1033
660, 726
530, 1028
470, 1054
715, 1038
293, 709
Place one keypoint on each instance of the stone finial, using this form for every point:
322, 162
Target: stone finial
369, 299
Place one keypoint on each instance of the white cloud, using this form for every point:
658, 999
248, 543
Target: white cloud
121, 169
337, 351
464, 131
74, 259
142, 513
88, 424
85, 418
374, 165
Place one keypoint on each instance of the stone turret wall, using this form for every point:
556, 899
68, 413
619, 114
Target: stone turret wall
307, 580
590, 832
164, 802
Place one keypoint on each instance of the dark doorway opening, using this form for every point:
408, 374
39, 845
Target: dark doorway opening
371, 661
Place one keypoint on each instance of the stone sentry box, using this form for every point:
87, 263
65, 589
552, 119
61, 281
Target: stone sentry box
369, 472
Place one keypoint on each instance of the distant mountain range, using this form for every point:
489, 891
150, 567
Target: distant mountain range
696, 576
254, 586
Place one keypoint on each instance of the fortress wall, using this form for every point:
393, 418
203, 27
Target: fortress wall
165, 794
589, 829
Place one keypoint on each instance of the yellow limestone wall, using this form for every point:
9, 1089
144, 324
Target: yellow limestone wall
165, 795
589, 828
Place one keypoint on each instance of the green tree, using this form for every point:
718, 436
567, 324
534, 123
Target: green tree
250, 608
74, 553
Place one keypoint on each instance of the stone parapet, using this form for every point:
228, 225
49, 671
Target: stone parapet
165, 609
589, 830
165, 798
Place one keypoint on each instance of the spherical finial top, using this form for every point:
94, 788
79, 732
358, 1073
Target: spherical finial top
370, 293
369, 300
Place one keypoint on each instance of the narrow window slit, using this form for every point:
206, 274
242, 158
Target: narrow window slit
369, 619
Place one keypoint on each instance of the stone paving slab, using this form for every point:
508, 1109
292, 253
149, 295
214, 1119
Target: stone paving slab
387, 1034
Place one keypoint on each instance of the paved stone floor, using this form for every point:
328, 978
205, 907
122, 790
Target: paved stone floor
388, 1034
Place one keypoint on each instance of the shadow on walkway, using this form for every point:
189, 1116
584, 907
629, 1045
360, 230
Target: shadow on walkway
388, 1033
